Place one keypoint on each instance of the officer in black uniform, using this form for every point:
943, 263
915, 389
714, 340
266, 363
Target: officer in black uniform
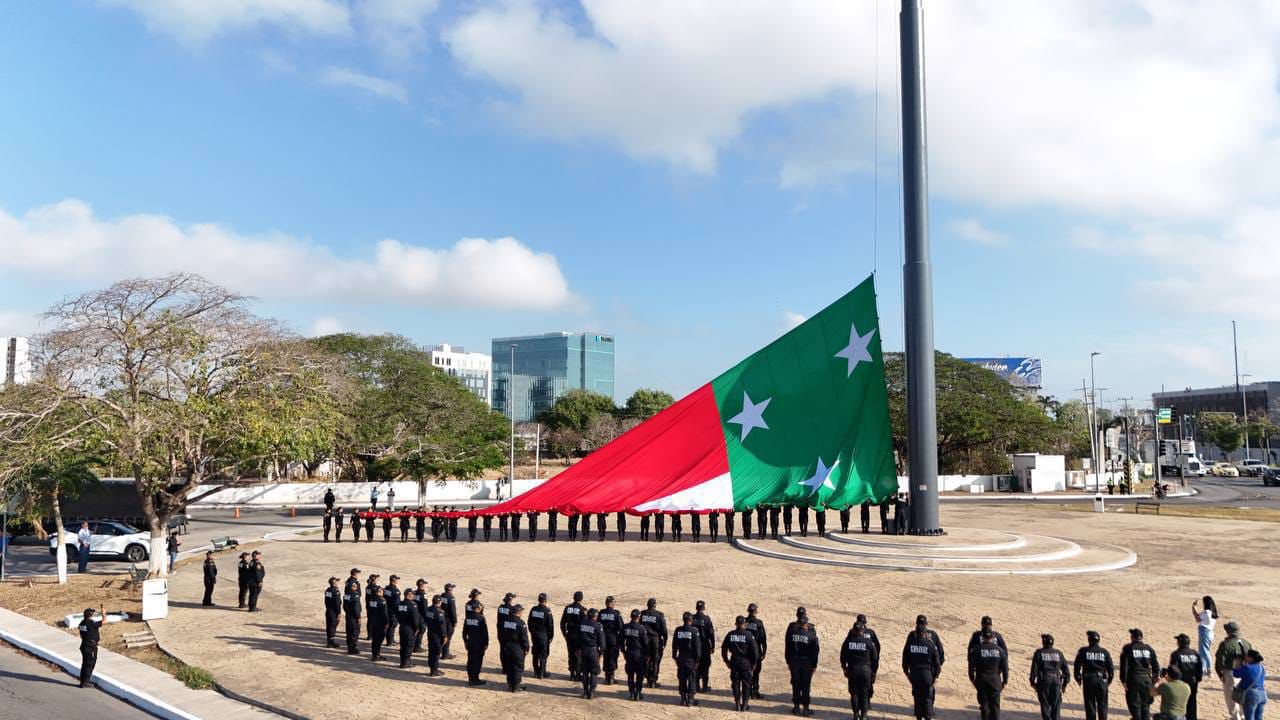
351, 608
713, 526
472, 520
332, 609
762, 522
242, 578
420, 525
635, 655
620, 524
746, 524
989, 673
210, 578
514, 638
368, 525
677, 527
1094, 672
570, 618
755, 626
370, 586
435, 524
600, 527
695, 522
741, 653
644, 527
453, 527
864, 515
976, 637
611, 620
404, 526
487, 526
421, 600
504, 610
802, 659
787, 510
573, 527
355, 525
503, 532
327, 519
257, 573
844, 519
542, 630
775, 511
1187, 660
436, 625
337, 525
860, 659
585, 530
921, 663
379, 617
871, 632
590, 645
533, 526
391, 593
703, 622
89, 638
449, 604
553, 519
1049, 675
656, 623
515, 527
729, 517
820, 517
1138, 670
933, 636
409, 621
475, 637
659, 526
803, 511
686, 651
473, 599
884, 515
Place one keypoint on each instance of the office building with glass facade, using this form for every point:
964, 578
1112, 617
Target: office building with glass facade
472, 369
546, 367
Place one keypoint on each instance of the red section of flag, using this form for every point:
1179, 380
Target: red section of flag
676, 449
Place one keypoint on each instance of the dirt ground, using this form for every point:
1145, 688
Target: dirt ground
278, 656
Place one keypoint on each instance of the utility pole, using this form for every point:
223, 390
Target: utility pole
917, 280
1093, 444
1244, 407
1093, 424
1128, 428
511, 410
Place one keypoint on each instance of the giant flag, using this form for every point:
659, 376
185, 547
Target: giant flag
804, 421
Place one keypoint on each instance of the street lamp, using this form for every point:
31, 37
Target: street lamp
511, 411
1244, 407
1093, 422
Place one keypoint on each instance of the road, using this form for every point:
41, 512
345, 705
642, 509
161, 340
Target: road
1245, 492
29, 690
28, 560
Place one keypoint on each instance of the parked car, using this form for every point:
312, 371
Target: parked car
1170, 471
107, 539
1271, 476
1224, 469
1251, 467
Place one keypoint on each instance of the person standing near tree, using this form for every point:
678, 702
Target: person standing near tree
210, 578
391, 498
83, 538
89, 638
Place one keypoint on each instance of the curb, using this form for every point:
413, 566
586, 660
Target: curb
233, 695
106, 683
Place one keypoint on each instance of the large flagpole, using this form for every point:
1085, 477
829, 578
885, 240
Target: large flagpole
917, 286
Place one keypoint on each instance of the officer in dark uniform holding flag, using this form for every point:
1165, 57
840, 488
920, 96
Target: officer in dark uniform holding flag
409, 621
487, 526
656, 623
786, 519
600, 527
803, 511
762, 521
741, 653
514, 639
746, 524
755, 626
1094, 672
802, 659
570, 618
695, 520
533, 526
89, 639
989, 673
659, 525
686, 651
1187, 660
844, 519
860, 659
475, 636
644, 527
515, 527
1138, 670
210, 578
620, 524
332, 609
573, 527
702, 621
677, 527
713, 526
820, 517
503, 533
542, 630
352, 607
635, 655
921, 663
590, 644
729, 516
774, 512
1049, 675
553, 519
355, 525
611, 620
420, 525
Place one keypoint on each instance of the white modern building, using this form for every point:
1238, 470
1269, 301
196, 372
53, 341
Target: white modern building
475, 370
15, 361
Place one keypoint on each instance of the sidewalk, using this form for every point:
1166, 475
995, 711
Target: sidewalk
141, 685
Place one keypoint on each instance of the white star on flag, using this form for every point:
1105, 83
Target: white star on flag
856, 351
752, 415
821, 477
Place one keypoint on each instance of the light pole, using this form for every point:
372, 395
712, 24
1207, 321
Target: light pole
1093, 422
1244, 408
511, 411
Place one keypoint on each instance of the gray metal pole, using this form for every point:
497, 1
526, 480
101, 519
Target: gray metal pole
511, 410
917, 281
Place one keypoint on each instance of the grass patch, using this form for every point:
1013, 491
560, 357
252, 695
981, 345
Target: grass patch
195, 678
1207, 512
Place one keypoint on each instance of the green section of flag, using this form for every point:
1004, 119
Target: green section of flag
813, 427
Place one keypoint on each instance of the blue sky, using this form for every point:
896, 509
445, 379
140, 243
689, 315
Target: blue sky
690, 177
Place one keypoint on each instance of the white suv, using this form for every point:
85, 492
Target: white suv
107, 539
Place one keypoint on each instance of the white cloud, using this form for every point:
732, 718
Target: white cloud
326, 325
381, 87
973, 230
66, 240
396, 27
792, 320
196, 22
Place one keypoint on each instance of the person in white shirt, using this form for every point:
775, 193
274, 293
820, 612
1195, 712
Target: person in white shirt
82, 542
1206, 614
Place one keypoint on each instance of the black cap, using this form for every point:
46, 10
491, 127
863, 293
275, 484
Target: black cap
701, 604
1046, 638
475, 592
355, 571
508, 596
651, 602
592, 612
635, 614
208, 553
608, 599
800, 611
739, 620
333, 579
1182, 638
394, 578
422, 581
577, 596
752, 608
986, 619
436, 598
1135, 632
1093, 636
922, 620
542, 597
449, 586
687, 616
861, 618
89, 611
517, 608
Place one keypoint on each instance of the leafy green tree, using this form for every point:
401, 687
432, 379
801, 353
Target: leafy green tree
575, 409
1261, 430
1221, 430
981, 417
408, 418
645, 403
1071, 430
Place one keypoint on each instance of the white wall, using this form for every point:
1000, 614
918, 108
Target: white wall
351, 495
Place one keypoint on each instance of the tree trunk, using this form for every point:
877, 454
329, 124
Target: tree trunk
60, 551
156, 518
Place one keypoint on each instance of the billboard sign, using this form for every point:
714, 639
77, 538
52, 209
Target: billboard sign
1020, 371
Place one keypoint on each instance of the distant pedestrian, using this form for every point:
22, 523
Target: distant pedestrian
865, 518
373, 497
329, 499
89, 637
82, 548
210, 578
171, 546
391, 499
257, 573
1205, 612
